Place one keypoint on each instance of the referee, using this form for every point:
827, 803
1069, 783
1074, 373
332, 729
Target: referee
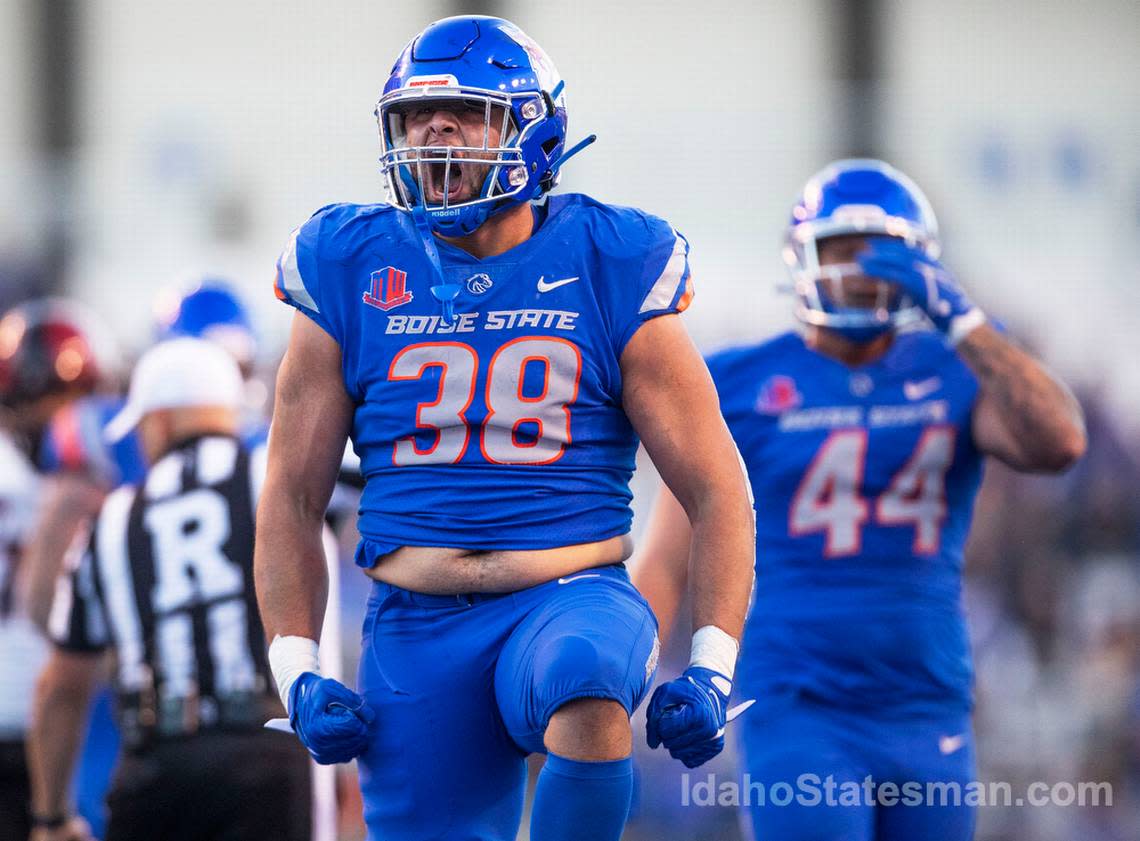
166, 583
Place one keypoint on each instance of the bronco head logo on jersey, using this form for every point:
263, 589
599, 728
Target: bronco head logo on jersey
477, 284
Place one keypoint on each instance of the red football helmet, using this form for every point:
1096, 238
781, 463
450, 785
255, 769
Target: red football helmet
49, 346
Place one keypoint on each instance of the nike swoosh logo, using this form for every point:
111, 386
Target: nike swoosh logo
920, 389
546, 286
579, 577
949, 744
734, 713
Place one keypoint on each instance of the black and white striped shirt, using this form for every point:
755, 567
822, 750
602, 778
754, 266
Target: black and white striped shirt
167, 578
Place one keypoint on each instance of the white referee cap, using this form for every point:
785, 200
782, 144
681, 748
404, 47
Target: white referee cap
178, 374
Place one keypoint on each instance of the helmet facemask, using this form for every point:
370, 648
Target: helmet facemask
853, 200
839, 296
458, 185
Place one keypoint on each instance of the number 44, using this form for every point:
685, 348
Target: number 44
829, 500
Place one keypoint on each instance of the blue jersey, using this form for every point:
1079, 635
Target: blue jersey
864, 482
73, 442
504, 429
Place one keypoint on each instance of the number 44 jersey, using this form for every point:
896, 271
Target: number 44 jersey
864, 480
501, 428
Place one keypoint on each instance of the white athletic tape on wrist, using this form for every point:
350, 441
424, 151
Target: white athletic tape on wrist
714, 649
964, 325
289, 658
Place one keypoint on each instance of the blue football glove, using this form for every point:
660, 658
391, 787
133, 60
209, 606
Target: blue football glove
925, 280
688, 715
329, 718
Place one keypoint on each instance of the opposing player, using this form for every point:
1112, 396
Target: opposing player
864, 444
495, 360
48, 359
79, 467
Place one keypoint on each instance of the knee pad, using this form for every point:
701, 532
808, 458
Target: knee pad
573, 666
557, 668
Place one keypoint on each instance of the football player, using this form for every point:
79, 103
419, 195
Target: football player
211, 309
863, 436
495, 359
49, 358
79, 468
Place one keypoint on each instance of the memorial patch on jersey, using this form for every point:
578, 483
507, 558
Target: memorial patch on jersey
777, 395
388, 289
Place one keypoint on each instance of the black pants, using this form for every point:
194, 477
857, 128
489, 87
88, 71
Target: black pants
15, 793
221, 786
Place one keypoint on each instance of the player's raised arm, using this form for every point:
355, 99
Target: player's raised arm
311, 418
669, 396
1024, 415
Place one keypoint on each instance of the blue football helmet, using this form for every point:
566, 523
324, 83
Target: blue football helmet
208, 309
856, 197
483, 64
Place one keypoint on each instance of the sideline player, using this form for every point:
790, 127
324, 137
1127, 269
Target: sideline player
48, 359
166, 583
495, 360
864, 445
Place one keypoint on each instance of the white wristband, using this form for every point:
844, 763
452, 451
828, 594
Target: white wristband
964, 325
714, 649
289, 658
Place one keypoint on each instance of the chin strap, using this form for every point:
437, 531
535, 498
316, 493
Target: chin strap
444, 292
552, 173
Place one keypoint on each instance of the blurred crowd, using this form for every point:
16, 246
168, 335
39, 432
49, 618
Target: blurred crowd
1053, 600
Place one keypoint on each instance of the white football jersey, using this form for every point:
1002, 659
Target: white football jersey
22, 646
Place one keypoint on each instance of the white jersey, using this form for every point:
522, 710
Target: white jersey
23, 648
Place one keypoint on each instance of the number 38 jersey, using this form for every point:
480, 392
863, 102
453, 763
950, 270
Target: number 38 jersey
864, 481
503, 429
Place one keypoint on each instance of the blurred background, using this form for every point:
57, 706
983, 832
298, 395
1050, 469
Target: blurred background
145, 144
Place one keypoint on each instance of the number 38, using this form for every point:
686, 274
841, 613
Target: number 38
508, 408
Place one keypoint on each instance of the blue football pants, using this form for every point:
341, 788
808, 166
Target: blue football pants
464, 686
